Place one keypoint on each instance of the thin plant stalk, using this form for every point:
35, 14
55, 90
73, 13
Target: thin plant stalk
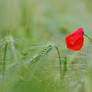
65, 66
4, 59
88, 37
60, 62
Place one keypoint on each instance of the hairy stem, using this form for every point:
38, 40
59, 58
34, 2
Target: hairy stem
88, 37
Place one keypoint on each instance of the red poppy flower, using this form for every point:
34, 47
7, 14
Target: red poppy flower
75, 40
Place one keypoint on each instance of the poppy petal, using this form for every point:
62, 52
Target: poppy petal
75, 40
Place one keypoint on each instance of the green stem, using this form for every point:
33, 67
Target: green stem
4, 59
88, 37
60, 67
65, 66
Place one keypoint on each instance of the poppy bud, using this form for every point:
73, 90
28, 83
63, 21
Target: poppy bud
75, 40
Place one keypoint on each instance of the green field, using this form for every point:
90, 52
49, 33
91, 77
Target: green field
29, 29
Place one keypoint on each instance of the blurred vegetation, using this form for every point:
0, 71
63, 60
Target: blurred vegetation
26, 29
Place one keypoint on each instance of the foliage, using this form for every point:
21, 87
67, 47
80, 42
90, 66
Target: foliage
28, 58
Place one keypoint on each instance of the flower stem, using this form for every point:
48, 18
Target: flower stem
60, 67
88, 37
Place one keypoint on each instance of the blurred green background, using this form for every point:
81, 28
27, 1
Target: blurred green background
27, 26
